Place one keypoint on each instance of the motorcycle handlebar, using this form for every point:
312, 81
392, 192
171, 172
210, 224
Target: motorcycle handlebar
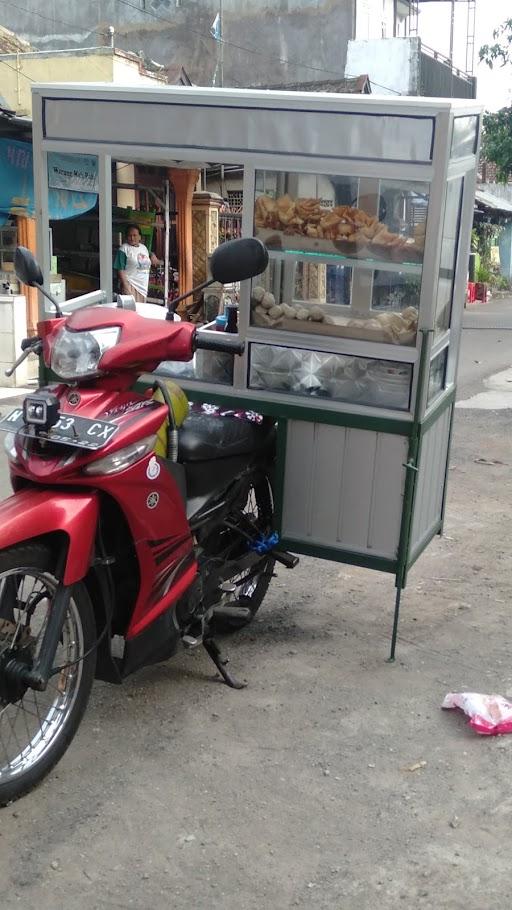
218, 341
29, 342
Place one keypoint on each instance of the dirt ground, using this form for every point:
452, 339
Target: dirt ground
298, 791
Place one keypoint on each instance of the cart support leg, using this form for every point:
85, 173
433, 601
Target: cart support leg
394, 634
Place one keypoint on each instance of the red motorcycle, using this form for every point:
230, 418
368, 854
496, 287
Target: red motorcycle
122, 522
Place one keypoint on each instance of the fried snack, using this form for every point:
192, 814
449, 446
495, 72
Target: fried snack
330, 220
257, 294
345, 224
309, 210
344, 230
410, 316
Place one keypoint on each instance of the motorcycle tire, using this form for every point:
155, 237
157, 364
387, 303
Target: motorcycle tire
36, 728
260, 505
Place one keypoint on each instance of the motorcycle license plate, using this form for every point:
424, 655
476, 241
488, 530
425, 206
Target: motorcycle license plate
69, 430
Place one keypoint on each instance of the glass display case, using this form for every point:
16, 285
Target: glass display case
344, 217
346, 255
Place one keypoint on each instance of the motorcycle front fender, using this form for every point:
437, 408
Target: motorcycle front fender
34, 513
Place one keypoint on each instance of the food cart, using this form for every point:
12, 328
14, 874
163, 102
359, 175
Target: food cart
352, 334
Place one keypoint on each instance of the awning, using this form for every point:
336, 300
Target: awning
490, 204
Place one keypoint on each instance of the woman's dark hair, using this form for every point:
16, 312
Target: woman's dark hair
131, 227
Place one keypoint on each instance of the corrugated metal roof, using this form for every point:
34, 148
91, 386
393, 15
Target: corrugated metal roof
11, 44
12, 126
488, 201
357, 85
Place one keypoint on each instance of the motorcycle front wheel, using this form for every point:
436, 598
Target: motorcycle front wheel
37, 727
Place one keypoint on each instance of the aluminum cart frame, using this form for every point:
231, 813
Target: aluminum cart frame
358, 480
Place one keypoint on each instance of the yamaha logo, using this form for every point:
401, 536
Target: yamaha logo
74, 399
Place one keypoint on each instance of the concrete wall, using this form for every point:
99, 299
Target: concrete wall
16, 84
399, 65
311, 33
502, 191
128, 72
392, 63
374, 19
99, 65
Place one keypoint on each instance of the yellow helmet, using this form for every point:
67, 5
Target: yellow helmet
179, 404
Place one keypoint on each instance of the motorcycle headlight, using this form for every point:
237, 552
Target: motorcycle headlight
123, 458
78, 354
10, 446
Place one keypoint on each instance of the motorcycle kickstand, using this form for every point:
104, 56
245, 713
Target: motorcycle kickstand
213, 651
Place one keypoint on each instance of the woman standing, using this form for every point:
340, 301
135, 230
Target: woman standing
133, 262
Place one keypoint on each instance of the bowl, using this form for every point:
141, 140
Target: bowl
346, 389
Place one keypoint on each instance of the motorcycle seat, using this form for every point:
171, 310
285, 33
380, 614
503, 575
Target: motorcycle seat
204, 437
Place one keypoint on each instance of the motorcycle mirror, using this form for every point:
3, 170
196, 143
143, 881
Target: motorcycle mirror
29, 272
27, 267
236, 260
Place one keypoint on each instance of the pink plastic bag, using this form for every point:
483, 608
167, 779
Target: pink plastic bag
489, 714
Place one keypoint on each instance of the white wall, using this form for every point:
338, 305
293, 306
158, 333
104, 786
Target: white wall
128, 72
393, 63
374, 19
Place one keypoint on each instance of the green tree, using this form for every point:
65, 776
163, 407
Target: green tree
497, 134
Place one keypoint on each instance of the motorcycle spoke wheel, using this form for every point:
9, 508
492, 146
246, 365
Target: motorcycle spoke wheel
36, 727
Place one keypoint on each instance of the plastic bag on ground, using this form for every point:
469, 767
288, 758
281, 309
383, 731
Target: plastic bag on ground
489, 714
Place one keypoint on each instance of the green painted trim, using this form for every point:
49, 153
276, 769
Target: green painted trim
418, 550
444, 403
448, 453
380, 563
44, 372
437, 527
279, 472
411, 471
298, 412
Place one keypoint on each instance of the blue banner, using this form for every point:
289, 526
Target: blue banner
17, 186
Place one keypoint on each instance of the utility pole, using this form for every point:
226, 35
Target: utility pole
221, 42
452, 29
217, 32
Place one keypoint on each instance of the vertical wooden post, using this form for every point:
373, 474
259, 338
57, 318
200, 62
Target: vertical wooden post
184, 182
27, 238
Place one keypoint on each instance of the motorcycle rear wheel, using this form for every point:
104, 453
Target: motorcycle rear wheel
251, 587
37, 727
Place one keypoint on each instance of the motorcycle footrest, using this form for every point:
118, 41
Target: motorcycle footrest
285, 558
226, 612
190, 641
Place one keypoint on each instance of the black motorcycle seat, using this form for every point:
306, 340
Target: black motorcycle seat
204, 437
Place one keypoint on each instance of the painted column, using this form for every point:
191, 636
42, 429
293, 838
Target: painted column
184, 182
27, 238
205, 231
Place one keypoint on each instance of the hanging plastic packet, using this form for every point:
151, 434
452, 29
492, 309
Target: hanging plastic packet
489, 715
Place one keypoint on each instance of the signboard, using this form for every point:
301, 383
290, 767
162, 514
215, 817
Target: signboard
78, 173
17, 184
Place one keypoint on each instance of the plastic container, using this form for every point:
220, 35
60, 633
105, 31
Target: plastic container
231, 314
220, 324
